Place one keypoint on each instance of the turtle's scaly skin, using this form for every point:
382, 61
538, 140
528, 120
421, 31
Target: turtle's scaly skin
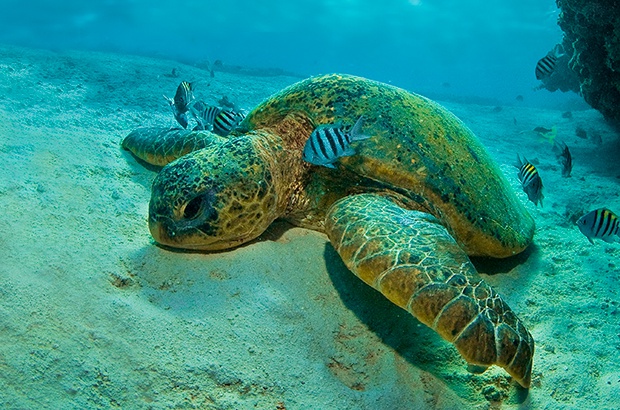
413, 261
160, 147
221, 196
404, 212
418, 148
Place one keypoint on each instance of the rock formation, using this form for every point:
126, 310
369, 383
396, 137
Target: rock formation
592, 43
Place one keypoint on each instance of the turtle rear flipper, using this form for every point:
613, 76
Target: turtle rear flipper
413, 261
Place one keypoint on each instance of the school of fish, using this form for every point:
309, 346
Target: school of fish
222, 121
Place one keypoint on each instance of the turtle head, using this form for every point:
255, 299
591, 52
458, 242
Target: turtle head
213, 199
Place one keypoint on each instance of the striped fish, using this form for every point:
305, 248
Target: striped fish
600, 224
530, 180
183, 96
329, 142
566, 159
226, 121
180, 103
546, 65
204, 115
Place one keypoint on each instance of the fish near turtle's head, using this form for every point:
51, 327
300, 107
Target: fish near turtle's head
213, 199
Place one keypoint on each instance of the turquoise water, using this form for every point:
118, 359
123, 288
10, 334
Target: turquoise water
477, 47
95, 315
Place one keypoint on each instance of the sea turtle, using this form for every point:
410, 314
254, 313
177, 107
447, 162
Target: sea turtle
404, 212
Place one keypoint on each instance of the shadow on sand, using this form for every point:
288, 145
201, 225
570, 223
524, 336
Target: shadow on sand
416, 343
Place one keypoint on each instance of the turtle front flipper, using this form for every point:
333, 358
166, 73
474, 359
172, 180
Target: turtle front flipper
160, 146
413, 261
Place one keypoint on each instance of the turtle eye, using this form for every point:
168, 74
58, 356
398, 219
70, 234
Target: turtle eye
192, 209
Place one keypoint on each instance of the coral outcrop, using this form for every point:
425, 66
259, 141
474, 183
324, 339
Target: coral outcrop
592, 32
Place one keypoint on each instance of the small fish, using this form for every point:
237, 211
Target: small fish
546, 133
183, 96
173, 74
226, 121
204, 115
180, 103
226, 103
566, 159
581, 133
181, 119
600, 224
530, 180
519, 97
542, 130
567, 115
329, 142
546, 65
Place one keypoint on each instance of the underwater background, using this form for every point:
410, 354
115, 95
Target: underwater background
477, 48
95, 315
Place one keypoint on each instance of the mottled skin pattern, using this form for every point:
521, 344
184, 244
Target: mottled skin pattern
403, 213
167, 145
419, 149
194, 205
412, 260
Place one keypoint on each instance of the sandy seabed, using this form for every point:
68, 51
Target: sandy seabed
94, 315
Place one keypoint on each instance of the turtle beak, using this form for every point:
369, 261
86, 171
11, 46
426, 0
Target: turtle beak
165, 231
159, 231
